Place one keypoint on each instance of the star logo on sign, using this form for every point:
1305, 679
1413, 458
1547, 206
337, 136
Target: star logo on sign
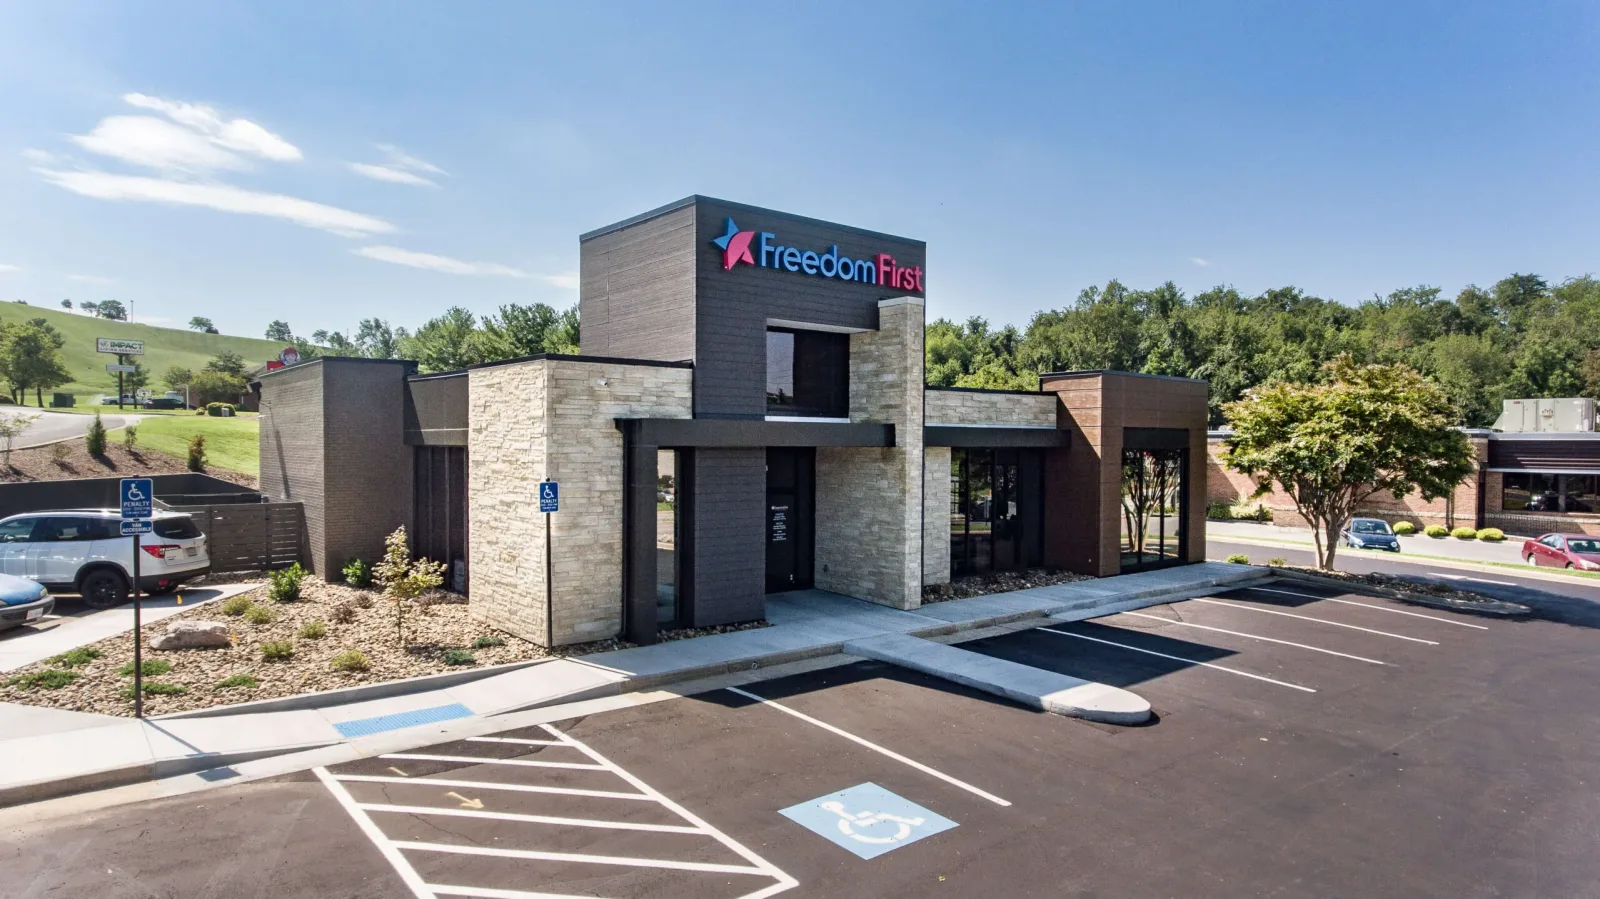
735, 246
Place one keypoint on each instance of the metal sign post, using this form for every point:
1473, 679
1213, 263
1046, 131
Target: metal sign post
122, 349
549, 501
138, 506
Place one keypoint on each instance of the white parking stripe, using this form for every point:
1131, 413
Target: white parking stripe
1163, 655
1367, 605
486, 785
1256, 637
489, 893
784, 880
873, 746
402, 867
619, 860
517, 740
524, 763
527, 819
1234, 605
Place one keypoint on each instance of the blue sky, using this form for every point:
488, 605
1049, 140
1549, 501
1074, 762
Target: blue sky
325, 162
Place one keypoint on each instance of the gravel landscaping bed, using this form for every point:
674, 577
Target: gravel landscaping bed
433, 629
999, 582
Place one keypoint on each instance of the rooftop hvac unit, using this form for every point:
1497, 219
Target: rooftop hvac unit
1567, 415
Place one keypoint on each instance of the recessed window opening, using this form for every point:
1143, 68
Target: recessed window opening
808, 373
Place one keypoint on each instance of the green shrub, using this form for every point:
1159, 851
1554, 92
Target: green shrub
351, 660
260, 615
1465, 533
488, 641
343, 613
1492, 535
285, 586
357, 573
1404, 528
149, 668
155, 688
130, 436
313, 630
236, 605
1219, 511
197, 452
404, 579
95, 440
1277, 561
215, 409
73, 658
50, 679
277, 651
237, 680
1436, 530
1239, 559
458, 657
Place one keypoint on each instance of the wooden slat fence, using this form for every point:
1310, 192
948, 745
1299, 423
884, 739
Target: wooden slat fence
250, 536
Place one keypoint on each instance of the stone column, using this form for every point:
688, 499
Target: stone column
870, 500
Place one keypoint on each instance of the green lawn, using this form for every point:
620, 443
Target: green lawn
231, 443
164, 348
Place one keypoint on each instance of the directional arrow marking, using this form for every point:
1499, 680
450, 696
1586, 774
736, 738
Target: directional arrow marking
465, 802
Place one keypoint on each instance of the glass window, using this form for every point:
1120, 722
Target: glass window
17, 530
808, 373
1368, 526
176, 528
1532, 491
1154, 486
666, 536
1584, 546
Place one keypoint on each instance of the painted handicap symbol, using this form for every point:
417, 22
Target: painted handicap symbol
849, 824
867, 820
133, 492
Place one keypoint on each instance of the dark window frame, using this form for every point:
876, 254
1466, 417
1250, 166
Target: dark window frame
1567, 492
819, 375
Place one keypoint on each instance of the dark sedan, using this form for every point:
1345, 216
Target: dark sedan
1370, 533
1579, 552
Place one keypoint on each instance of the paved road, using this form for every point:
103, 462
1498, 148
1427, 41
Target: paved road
48, 427
1309, 744
1368, 561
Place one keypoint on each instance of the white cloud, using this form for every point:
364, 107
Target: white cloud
401, 168
440, 263
39, 157
91, 279
565, 281
7, 269
390, 174
221, 197
1198, 261
191, 138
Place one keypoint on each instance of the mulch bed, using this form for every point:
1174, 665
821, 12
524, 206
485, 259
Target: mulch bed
69, 459
437, 625
998, 582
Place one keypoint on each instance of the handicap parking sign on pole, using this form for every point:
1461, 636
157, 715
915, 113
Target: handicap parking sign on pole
138, 497
131, 526
549, 496
867, 819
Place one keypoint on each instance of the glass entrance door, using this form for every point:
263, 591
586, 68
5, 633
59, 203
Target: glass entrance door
1155, 491
791, 498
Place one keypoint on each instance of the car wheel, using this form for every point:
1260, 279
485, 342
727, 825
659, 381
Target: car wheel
103, 589
1529, 559
1570, 566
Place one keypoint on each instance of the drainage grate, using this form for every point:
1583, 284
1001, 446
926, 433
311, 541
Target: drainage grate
361, 727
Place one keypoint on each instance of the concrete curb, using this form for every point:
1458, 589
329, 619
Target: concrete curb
1485, 607
155, 769
345, 695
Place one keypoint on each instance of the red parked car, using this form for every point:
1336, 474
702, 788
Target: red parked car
1578, 551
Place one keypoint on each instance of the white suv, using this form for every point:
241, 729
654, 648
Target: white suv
82, 551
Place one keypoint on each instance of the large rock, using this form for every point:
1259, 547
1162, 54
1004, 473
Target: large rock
192, 635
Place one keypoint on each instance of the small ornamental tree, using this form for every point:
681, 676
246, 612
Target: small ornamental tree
95, 440
404, 579
1330, 446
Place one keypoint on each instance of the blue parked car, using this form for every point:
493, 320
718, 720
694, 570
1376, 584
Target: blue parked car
22, 601
1370, 533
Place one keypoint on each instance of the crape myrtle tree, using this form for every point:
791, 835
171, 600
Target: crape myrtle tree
1366, 429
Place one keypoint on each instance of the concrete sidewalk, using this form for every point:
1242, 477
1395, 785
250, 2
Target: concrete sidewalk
26, 645
52, 755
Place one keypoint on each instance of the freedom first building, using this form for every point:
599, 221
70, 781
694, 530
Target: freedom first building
748, 416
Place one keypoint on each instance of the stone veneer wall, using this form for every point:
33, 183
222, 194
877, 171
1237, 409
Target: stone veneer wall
1012, 410
869, 500
555, 418
936, 514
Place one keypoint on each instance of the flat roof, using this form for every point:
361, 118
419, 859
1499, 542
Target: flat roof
1111, 371
692, 199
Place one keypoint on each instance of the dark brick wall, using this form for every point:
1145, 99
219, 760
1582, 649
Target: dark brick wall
730, 549
436, 410
368, 465
636, 289
291, 435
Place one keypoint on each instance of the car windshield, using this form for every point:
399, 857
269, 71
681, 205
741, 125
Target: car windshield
1367, 526
1584, 546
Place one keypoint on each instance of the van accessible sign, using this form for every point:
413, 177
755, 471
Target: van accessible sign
881, 269
119, 347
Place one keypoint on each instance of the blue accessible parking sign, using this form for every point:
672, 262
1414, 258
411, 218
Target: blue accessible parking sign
138, 497
867, 819
549, 496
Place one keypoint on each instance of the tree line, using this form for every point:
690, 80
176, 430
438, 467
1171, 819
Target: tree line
1521, 337
454, 340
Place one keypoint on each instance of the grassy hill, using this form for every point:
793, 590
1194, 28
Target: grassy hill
163, 348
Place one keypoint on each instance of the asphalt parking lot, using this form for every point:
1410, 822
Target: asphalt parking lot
1307, 743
